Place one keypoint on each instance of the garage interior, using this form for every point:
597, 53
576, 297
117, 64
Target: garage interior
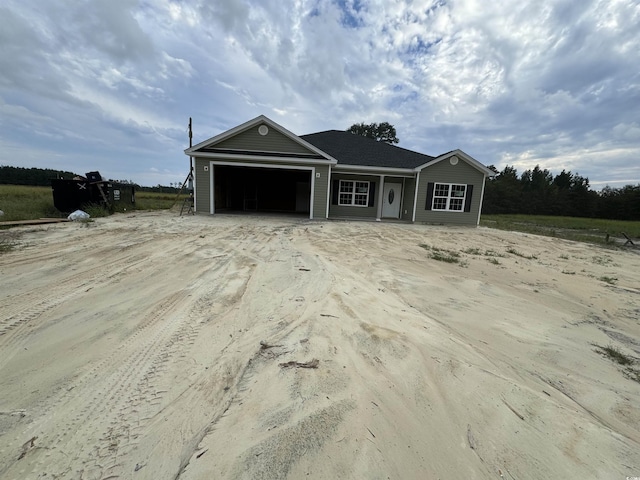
247, 189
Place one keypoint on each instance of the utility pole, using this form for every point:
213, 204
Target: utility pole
190, 157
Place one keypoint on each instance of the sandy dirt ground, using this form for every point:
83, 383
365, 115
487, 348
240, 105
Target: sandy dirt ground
131, 349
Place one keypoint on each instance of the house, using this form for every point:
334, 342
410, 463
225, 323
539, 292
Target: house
261, 166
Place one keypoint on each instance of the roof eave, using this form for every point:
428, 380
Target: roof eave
370, 168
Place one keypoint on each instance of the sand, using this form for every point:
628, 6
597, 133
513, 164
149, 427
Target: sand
131, 348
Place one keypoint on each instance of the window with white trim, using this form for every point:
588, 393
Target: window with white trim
449, 196
353, 193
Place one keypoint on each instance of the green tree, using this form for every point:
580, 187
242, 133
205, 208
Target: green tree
382, 132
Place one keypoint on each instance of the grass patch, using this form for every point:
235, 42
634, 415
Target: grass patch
614, 354
472, 251
442, 254
443, 257
513, 251
158, 201
493, 260
591, 230
20, 202
609, 280
96, 210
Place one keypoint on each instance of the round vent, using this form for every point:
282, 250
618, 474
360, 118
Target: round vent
453, 160
263, 130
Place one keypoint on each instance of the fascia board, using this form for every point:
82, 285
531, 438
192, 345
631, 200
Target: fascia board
375, 170
263, 158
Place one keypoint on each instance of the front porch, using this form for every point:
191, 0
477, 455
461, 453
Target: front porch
366, 196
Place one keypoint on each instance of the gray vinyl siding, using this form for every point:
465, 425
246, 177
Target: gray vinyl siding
407, 201
203, 195
356, 212
444, 172
320, 192
273, 141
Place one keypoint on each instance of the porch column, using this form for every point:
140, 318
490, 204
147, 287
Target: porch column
380, 198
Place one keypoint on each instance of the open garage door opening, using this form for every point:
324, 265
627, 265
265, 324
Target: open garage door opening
247, 189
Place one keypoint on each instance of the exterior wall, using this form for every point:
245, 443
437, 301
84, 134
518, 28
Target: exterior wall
273, 141
444, 172
407, 201
358, 212
202, 184
320, 192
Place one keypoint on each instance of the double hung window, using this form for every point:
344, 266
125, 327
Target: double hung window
353, 193
449, 196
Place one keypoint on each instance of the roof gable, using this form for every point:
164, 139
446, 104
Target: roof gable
352, 149
259, 136
461, 156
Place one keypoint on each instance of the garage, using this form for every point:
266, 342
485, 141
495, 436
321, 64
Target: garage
261, 189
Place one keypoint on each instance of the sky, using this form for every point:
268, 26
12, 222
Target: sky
109, 85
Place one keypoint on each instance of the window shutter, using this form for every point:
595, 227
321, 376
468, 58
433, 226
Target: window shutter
336, 190
467, 201
429, 196
372, 194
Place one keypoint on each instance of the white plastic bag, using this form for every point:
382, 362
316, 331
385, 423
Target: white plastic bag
79, 216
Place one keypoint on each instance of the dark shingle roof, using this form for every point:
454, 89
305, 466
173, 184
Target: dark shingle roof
350, 149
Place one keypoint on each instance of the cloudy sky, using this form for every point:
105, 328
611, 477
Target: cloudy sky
110, 85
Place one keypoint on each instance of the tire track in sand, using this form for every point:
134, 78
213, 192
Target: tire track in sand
120, 403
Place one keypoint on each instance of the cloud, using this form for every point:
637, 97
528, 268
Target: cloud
519, 83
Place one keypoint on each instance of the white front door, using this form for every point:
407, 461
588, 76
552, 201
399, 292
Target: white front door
391, 200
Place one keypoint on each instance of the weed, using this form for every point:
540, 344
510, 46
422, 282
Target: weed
96, 210
442, 254
493, 253
614, 354
513, 251
472, 251
444, 257
568, 272
609, 280
632, 374
564, 257
6, 246
493, 260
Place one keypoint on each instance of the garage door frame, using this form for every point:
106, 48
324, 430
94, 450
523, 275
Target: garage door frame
213, 163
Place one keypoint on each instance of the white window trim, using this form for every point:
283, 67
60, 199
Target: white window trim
353, 193
448, 197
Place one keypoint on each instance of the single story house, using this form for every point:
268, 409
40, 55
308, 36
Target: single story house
261, 166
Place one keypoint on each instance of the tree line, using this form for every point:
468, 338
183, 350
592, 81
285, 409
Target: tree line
31, 176
41, 177
539, 192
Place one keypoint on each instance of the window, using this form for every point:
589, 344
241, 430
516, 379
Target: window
353, 193
449, 196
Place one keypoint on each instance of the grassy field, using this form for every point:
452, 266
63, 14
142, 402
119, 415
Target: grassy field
26, 203
592, 230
